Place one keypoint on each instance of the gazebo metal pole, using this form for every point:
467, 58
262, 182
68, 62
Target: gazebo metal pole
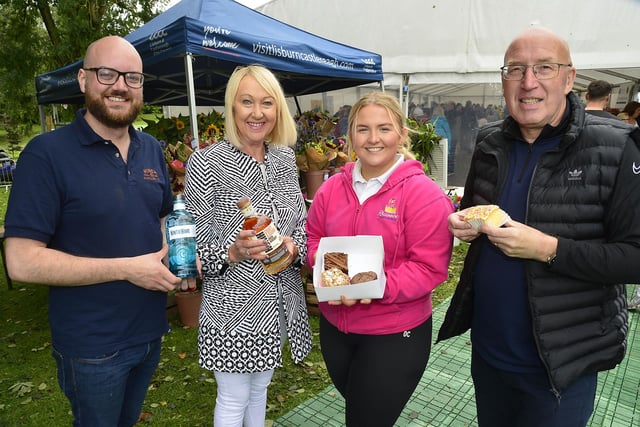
191, 98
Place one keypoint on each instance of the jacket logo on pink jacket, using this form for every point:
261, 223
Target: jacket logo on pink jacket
389, 211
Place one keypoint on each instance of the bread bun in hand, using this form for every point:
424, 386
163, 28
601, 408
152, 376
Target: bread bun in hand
489, 214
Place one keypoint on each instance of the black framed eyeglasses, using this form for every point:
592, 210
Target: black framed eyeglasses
544, 71
109, 76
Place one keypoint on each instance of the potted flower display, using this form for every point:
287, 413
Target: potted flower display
317, 149
176, 136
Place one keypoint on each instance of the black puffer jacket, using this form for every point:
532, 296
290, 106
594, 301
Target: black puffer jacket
587, 193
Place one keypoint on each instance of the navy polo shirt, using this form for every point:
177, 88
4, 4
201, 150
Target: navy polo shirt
73, 191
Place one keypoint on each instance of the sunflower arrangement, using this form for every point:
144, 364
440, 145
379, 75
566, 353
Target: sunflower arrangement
213, 125
176, 138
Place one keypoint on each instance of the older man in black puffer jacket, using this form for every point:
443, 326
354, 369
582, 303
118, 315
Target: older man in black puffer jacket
544, 295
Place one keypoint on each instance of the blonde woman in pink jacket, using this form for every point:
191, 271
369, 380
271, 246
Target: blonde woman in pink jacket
376, 350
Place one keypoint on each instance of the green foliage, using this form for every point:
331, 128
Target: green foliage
21, 48
445, 290
13, 143
38, 36
423, 140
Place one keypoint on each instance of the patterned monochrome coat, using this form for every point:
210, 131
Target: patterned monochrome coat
239, 327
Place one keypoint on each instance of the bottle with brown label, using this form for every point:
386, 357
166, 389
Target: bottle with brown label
278, 256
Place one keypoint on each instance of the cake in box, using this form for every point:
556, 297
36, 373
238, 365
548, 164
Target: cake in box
363, 258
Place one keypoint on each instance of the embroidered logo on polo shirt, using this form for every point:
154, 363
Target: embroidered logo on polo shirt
389, 211
150, 175
575, 175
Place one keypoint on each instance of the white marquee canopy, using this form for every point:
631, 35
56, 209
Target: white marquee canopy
443, 47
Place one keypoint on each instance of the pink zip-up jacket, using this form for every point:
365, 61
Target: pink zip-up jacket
410, 213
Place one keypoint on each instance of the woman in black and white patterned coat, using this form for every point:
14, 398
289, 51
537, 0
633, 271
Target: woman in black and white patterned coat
247, 314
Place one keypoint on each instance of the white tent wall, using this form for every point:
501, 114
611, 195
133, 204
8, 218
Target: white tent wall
330, 101
453, 50
479, 93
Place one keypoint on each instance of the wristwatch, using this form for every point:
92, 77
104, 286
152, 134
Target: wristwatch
227, 263
232, 264
551, 259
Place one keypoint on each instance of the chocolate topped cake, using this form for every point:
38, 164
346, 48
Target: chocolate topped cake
337, 260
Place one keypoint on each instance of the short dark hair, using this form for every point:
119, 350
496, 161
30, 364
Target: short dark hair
598, 89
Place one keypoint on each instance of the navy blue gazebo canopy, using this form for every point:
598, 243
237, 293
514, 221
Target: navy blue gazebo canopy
190, 50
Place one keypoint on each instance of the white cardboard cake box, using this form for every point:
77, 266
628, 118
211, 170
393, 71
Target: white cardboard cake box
365, 253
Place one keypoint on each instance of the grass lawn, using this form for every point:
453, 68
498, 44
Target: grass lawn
181, 393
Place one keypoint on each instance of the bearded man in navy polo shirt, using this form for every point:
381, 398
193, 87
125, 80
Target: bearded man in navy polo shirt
85, 217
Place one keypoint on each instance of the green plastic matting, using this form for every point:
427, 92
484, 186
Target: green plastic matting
445, 395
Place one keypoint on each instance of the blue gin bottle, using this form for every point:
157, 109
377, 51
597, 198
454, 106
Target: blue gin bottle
181, 237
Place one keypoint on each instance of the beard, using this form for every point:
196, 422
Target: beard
110, 118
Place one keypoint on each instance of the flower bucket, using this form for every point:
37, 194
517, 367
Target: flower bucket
316, 160
313, 180
333, 170
189, 307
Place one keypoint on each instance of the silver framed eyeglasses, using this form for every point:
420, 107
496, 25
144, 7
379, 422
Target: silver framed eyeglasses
109, 76
544, 71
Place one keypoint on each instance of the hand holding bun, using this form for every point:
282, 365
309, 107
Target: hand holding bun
489, 214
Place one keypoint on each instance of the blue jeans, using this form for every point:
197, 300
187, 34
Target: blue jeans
108, 390
511, 399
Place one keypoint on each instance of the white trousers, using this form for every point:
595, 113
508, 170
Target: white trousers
242, 399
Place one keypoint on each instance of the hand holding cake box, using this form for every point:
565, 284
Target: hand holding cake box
340, 260
485, 214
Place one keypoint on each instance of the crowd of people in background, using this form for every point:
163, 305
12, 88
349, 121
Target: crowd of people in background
457, 122
464, 119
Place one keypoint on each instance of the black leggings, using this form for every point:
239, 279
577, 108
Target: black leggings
376, 374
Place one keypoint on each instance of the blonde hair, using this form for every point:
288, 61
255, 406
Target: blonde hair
284, 132
389, 103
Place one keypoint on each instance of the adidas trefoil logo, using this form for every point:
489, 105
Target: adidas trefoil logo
575, 175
